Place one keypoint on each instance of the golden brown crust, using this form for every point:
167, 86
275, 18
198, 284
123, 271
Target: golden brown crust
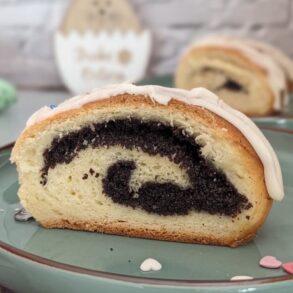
126, 230
208, 119
206, 116
229, 51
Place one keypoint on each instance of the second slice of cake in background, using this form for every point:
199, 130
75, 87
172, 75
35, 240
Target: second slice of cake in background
246, 77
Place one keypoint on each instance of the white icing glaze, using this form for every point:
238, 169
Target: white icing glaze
281, 58
150, 264
199, 97
276, 76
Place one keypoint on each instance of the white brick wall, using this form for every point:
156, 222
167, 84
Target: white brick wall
27, 27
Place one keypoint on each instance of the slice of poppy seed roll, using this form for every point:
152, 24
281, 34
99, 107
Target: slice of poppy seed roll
246, 77
148, 161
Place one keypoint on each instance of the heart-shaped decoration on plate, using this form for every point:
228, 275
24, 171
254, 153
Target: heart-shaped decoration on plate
288, 267
150, 264
241, 278
270, 262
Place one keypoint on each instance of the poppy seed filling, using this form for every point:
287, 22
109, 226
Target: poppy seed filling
210, 189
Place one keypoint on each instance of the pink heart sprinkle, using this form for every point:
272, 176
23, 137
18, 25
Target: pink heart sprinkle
270, 262
288, 267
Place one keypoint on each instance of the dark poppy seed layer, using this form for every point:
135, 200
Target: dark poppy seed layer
210, 189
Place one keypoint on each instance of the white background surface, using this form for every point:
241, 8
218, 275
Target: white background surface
27, 27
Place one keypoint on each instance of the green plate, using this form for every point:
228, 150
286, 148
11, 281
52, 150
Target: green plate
283, 121
33, 259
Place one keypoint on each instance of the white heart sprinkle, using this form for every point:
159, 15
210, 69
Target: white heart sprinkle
241, 278
150, 264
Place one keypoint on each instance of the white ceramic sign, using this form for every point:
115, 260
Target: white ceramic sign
90, 60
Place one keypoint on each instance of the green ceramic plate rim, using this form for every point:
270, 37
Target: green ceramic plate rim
142, 280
